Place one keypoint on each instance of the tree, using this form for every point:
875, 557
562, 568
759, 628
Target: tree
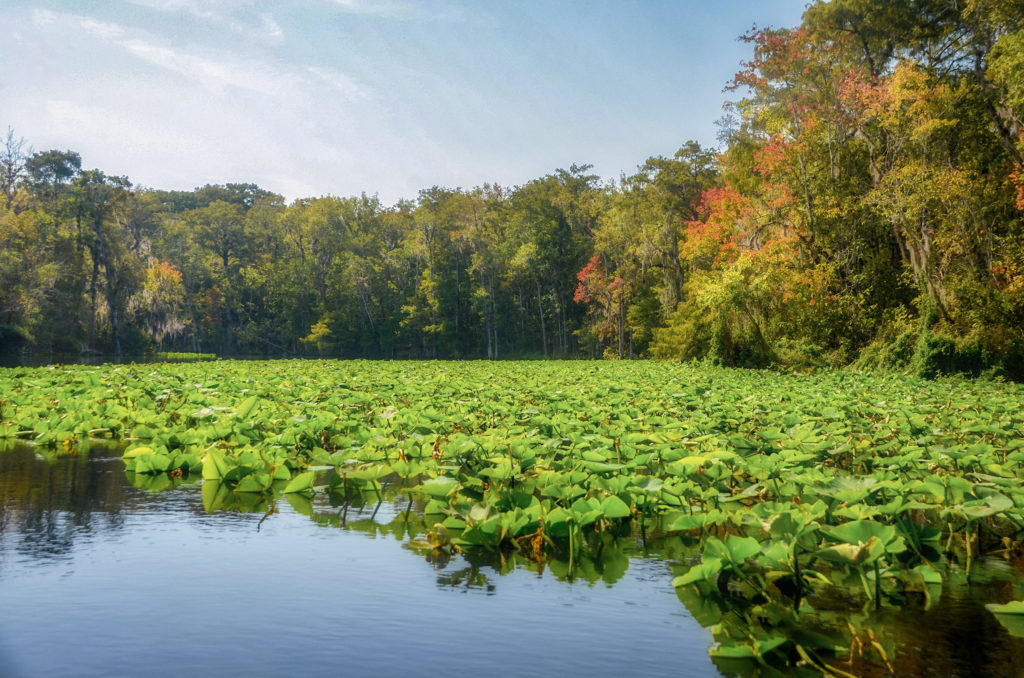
48, 172
638, 242
12, 166
94, 198
161, 302
220, 229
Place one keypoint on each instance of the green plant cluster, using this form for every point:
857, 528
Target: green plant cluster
791, 485
184, 356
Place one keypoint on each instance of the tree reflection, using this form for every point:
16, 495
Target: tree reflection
47, 504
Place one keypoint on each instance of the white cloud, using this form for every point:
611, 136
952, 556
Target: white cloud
235, 16
382, 8
340, 82
180, 6
134, 98
107, 31
43, 17
271, 27
405, 10
215, 75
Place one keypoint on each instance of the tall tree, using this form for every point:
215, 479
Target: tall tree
95, 197
13, 155
220, 230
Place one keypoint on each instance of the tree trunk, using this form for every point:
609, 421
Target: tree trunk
116, 329
540, 313
677, 265
96, 251
564, 326
487, 319
494, 315
92, 301
622, 331
457, 303
225, 254
522, 317
557, 348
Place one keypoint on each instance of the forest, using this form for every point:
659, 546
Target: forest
865, 206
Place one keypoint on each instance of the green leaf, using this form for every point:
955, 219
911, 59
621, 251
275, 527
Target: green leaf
301, 482
929, 574
613, 507
707, 569
135, 452
438, 488
741, 548
251, 483
1010, 615
246, 407
741, 650
1012, 607
861, 531
853, 554
152, 463
215, 466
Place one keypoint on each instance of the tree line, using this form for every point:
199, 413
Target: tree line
865, 205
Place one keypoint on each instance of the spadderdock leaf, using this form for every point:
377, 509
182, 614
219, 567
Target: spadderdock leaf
438, 488
751, 649
135, 452
215, 466
709, 568
246, 407
863, 531
741, 548
928, 574
1010, 616
615, 508
300, 483
152, 463
853, 554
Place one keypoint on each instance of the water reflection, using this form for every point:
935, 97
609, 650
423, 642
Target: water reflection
130, 581
46, 507
121, 539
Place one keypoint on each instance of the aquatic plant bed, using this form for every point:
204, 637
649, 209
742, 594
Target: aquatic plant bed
803, 509
169, 356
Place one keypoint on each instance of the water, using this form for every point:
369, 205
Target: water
98, 578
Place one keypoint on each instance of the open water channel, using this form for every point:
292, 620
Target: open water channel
100, 578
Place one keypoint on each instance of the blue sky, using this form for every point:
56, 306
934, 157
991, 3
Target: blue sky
315, 97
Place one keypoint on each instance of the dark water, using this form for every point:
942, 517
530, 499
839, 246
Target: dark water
98, 578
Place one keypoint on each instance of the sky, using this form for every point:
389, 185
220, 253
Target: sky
339, 97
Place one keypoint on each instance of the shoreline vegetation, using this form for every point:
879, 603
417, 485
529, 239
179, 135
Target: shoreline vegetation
865, 207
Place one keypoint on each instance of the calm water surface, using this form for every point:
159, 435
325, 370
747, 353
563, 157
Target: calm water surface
98, 578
